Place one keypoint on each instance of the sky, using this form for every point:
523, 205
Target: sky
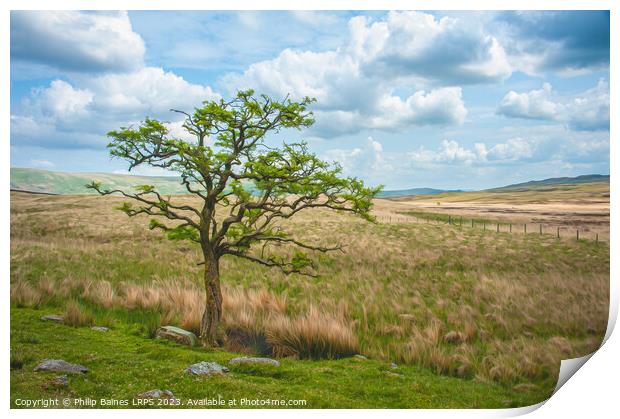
453, 100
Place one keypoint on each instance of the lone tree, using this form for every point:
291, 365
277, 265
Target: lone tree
244, 186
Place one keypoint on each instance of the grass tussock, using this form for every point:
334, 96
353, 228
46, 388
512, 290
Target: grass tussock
314, 335
25, 295
76, 315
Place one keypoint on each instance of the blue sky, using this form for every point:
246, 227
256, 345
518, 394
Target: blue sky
407, 99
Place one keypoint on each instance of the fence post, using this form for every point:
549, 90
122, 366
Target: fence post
525, 228
449, 219
484, 225
461, 222
498, 227
541, 229
558, 232
596, 238
577, 234
511, 227
472, 223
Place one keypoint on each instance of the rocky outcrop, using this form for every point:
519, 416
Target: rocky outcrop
254, 360
60, 365
100, 328
58, 318
176, 334
206, 368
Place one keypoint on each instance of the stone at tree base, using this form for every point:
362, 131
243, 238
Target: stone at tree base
358, 356
176, 334
100, 328
58, 318
157, 394
206, 368
393, 365
254, 360
59, 365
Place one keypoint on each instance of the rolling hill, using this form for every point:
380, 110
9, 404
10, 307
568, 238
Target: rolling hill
551, 182
45, 181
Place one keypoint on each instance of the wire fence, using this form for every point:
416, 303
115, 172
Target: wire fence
542, 229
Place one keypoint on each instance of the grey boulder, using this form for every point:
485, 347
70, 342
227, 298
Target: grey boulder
59, 365
176, 334
254, 360
58, 318
206, 368
100, 328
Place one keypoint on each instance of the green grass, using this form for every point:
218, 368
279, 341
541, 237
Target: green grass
124, 364
527, 301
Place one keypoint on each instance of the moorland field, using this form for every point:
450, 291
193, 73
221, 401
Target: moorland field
470, 317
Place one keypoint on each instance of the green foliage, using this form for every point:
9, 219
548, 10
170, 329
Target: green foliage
144, 188
301, 260
183, 233
125, 207
235, 169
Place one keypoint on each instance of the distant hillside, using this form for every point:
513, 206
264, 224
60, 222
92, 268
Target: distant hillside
34, 180
414, 191
45, 181
552, 181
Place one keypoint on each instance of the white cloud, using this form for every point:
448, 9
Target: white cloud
62, 115
61, 100
369, 158
108, 85
440, 106
451, 152
512, 150
76, 41
445, 50
588, 111
373, 81
149, 90
535, 104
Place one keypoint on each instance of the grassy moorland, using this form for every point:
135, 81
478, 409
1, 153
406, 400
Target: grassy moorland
472, 318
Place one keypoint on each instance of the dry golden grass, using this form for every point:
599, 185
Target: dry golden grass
76, 316
489, 306
253, 318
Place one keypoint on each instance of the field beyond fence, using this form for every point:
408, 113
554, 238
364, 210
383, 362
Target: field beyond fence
559, 232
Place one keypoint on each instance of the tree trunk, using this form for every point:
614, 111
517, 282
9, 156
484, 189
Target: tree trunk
213, 308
